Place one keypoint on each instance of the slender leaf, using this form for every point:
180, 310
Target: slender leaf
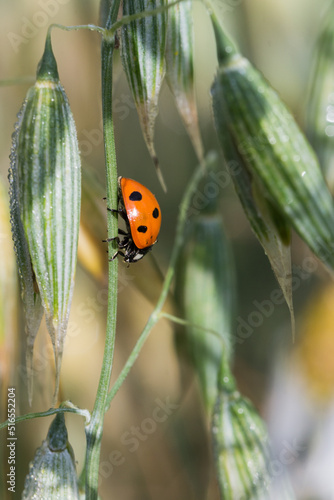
143, 56
205, 294
180, 68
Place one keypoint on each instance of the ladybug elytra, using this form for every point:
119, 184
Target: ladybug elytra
141, 212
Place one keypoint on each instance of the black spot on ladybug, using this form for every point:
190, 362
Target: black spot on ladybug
155, 213
135, 196
142, 229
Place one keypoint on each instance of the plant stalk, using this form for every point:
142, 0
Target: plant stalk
95, 428
192, 188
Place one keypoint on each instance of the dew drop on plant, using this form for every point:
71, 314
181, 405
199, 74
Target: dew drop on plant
255, 480
329, 130
330, 113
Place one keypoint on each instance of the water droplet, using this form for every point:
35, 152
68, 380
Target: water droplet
240, 411
330, 113
329, 130
296, 158
226, 380
272, 140
303, 173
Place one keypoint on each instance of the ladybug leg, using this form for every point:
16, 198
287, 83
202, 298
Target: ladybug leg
108, 240
119, 211
120, 231
115, 255
122, 213
112, 210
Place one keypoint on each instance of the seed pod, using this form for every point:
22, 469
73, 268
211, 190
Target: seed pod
205, 293
29, 290
320, 110
104, 12
180, 68
272, 149
143, 57
45, 199
245, 468
52, 472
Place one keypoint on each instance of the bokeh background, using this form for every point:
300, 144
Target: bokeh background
167, 459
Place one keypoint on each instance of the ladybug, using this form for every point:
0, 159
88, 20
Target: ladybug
141, 212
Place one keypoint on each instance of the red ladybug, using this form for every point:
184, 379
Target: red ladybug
141, 212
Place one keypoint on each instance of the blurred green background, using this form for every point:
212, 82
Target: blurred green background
278, 37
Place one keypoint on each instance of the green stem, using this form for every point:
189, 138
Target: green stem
90, 27
179, 240
95, 428
109, 31
141, 15
184, 322
64, 407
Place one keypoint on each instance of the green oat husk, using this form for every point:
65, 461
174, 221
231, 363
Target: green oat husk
45, 191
